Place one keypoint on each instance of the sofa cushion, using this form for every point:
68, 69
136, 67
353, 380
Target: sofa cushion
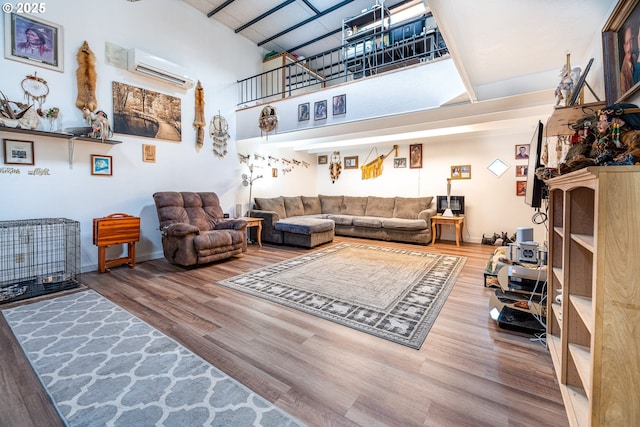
293, 206
367, 221
331, 204
410, 207
304, 225
380, 206
341, 219
404, 224
311, 205
354, 205
274, 204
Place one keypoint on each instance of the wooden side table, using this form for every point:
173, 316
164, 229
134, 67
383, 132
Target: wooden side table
254, 222
438, 220
116, 229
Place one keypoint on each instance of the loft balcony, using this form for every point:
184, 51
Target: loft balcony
414, 41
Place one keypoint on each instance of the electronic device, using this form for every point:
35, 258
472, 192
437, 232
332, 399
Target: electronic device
524, 234
536, 188
457, 204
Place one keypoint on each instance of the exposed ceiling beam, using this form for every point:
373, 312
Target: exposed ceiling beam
306, 21
310, 6
219, 8
264, 15
293, 49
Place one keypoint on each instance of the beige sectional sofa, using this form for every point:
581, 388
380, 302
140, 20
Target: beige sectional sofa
312, 220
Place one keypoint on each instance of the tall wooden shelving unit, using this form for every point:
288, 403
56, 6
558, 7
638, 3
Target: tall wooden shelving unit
594, 333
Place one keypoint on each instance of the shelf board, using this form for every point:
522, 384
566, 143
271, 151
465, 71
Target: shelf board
576, 404
559, 231
585, 240
557, 311
582, 359
60, 135
555, 345
584, 309
558, 273
558, 123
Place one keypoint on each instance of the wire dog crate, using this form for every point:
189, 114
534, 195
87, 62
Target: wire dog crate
38, 256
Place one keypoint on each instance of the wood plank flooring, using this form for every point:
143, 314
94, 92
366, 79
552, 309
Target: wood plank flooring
468, 372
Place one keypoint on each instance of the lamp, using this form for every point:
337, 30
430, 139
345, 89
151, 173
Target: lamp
247, 180
447, 212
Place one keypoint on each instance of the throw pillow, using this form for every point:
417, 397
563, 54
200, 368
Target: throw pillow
293, 206
274, 204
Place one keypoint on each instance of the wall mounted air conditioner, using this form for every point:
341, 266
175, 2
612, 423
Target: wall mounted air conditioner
152, 66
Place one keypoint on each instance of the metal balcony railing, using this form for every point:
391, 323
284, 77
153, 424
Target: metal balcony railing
387, 50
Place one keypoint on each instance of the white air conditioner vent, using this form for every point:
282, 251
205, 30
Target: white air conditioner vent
152, 66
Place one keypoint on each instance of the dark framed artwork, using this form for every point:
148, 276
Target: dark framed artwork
521, 188
101, 165
320, 110
400, 162
33, 41
620, 52
323, 159
303, 112
351, 162
18, 152
339, 104
146, 113
415, 156
521, 171
522, 152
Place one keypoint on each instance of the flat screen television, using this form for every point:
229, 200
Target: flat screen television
457, 204
536, 188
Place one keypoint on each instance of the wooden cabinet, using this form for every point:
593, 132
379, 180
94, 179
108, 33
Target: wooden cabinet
593, 334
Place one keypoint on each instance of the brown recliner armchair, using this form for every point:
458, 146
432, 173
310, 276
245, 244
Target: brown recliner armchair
194, 230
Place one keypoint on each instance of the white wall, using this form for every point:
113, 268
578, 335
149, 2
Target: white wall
170, 29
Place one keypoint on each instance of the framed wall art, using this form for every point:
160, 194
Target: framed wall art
461, 172
351, 162
18, 152
521, 171
400, 162
521, 188
522, 152
148, 153
33, 41
415, 156
620, 46
322, 159
339, 104
303, 112
320, 110
101, 165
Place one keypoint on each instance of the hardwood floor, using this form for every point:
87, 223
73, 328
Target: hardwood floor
468, 372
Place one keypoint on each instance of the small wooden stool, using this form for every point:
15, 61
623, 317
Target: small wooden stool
115, 229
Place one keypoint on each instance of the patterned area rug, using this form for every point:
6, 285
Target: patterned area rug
104, 367
394, 294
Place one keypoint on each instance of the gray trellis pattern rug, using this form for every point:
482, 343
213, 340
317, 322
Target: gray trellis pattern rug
395, 294
103, 366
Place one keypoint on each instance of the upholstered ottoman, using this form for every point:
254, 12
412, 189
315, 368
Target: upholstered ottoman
306, 232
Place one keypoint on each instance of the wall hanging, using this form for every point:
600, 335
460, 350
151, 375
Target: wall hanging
373, 169
335, 166
268, 119
199, 120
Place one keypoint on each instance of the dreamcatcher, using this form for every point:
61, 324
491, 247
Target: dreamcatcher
268, 119
219, 131
335, 166
35, 90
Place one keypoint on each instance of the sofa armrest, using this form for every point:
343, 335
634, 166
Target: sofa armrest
179, 229
231, 224
427, 214
269, 218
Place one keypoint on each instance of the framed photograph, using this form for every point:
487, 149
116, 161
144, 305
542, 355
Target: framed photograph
620, 51
521, 171
339, 104
521, 188
18, 152
33, 41
323, 159
148, 153
400, 162
522, 152
351, 162
415, 156
101, 165
303, 112
461, 172
320, 110
274, 172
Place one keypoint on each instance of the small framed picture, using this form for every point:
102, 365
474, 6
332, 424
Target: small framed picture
400, 162
322, 159
521, 188
274, 172
415, 156
522, 152
303, 112
101, 165
33, 41
18, 152
149, 153
461, 172
351, 162
339, 104
320, 110
521, 170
